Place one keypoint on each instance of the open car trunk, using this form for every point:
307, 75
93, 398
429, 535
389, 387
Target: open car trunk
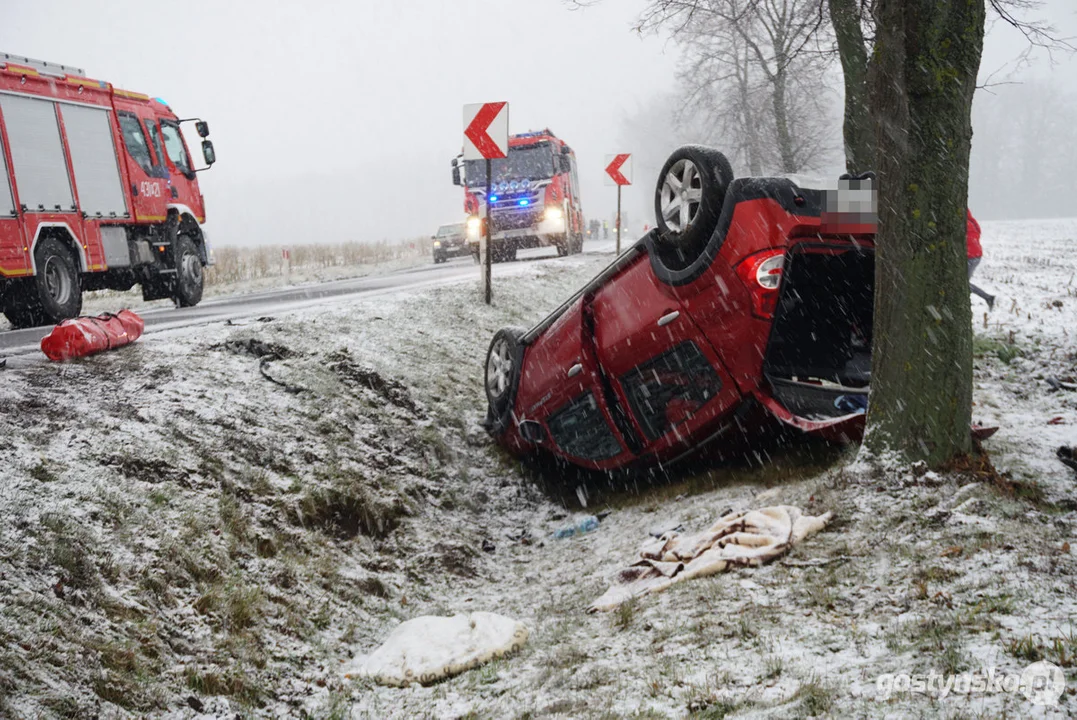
818, 360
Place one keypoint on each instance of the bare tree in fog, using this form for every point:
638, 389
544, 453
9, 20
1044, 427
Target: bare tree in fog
765, 99
783, 33
755, 67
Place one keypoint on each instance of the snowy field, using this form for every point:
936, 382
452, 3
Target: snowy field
217, 521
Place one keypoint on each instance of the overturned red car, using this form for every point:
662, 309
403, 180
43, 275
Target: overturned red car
752, 297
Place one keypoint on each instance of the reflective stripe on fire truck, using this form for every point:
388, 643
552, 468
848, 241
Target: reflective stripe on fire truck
74, 239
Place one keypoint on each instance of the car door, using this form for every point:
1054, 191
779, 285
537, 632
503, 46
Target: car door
665, 374
560, 403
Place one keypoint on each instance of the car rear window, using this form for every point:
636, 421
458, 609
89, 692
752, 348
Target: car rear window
580, 430
667, 390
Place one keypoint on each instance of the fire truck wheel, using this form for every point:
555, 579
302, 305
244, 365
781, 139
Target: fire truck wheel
562, 246
53, 294
689, 197
189, 279
16, 308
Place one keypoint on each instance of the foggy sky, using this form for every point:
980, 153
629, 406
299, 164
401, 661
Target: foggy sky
337, 120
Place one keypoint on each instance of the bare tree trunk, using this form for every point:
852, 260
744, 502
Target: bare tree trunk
744, 95
857, 129
781, 124
923, 76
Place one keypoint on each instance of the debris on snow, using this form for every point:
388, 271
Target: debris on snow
585, 524
255, 348
745, 539
427, 649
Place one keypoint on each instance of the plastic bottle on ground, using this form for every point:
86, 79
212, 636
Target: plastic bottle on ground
584, 525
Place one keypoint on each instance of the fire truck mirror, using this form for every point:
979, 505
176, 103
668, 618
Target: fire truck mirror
203, 128
455, 173
207, 152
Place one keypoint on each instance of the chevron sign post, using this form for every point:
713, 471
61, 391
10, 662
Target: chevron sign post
486, 137
619, 173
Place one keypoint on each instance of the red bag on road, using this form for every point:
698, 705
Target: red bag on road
83, 336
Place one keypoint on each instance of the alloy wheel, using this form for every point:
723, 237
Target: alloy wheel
682, 192
499, 368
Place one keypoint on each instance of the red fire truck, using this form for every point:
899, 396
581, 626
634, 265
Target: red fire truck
534, 197
97, 191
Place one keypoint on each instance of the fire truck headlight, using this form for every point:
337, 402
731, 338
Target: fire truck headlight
474, 224
554, 213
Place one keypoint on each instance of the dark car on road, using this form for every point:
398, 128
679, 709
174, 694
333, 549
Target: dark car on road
450, 241
749, 303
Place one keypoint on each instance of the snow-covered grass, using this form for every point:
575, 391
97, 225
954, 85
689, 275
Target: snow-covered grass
222, 518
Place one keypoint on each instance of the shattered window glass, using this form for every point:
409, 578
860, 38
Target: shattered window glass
669, 389
580, 430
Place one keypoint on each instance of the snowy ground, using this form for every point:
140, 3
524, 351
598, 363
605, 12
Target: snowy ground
216, 521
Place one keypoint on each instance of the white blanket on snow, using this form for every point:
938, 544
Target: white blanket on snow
738, 540
427, 649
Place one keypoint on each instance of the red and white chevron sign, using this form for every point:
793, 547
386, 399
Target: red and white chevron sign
486, 131
619, 169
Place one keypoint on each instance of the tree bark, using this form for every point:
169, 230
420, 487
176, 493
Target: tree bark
923, 75
857, 129
781, 124
744, 95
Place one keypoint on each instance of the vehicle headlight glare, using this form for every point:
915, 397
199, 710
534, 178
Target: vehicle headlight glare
554, 213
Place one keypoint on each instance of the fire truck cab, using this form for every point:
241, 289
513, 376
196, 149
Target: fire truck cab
98, 190
534, 197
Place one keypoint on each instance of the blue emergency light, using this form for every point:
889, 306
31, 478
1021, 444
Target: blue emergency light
525, 202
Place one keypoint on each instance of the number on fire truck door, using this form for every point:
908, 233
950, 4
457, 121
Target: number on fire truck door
148, 188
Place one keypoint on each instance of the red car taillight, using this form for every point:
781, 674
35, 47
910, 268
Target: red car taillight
762, 275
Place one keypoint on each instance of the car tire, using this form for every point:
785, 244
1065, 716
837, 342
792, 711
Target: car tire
190, 280
686, 216
54, 293
501, 376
